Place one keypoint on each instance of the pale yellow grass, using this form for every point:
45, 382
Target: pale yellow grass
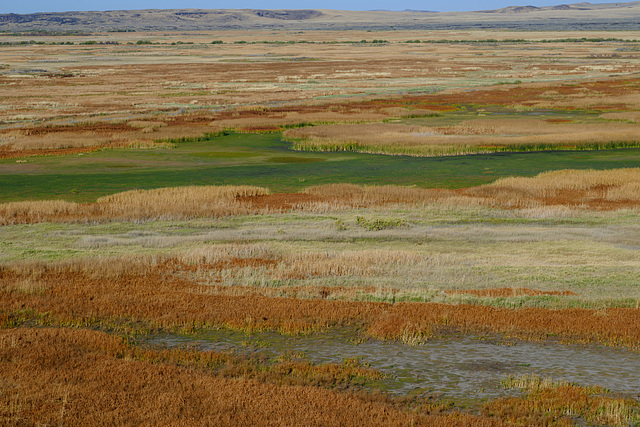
178, 202
162, 203
349, 263
382, 194
630, 116
565, 187
548, 194
293, 118
549, 183
472, 136
146, 124
221, 252
58, 141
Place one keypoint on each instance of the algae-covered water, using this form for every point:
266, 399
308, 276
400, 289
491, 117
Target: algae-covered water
463, 368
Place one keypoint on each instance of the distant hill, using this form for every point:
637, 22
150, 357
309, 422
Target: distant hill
575, 6
578, 16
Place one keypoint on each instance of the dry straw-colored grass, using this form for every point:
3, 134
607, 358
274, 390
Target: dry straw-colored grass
506, 292
549, 183
81, 377
272, 267
351, 263
628, 116
276, 120
162, 203
376, 195
472, 136
607, 190
212, 201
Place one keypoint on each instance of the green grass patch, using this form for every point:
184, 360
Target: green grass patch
244, 158
294, 159
225, 154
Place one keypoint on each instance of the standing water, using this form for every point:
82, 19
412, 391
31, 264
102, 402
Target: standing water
467, 367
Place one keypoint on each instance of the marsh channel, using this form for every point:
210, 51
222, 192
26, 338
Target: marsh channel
466, 367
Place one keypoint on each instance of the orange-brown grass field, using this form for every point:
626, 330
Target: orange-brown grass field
61, 376
545, 400
83, 293
207, 215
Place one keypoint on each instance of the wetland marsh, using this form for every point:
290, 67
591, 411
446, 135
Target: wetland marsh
174, 248
464, 368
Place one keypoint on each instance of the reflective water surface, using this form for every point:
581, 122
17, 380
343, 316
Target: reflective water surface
466, 367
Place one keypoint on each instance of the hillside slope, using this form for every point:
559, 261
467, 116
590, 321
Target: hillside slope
579, 16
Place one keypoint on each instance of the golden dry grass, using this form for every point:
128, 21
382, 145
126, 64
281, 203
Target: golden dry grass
507, 292
162, 203
606, 190
629, 116
472, 136
549, 183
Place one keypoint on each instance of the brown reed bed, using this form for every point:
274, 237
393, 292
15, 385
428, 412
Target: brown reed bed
81, 377
97, 293
9, 153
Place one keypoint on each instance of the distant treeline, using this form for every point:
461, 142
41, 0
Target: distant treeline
39, 42
40, 33
283, 42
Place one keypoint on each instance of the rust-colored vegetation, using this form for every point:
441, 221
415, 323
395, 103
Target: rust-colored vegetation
113, 291
75, 377
546, 402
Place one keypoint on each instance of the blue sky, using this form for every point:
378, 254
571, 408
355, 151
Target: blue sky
30, 6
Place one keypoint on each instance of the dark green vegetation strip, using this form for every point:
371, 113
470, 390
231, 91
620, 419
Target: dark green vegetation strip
266, 160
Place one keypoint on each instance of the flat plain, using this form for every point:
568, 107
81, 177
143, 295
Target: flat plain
398, 189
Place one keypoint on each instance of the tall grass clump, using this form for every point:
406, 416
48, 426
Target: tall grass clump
590, 188
161, 203
470, 137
